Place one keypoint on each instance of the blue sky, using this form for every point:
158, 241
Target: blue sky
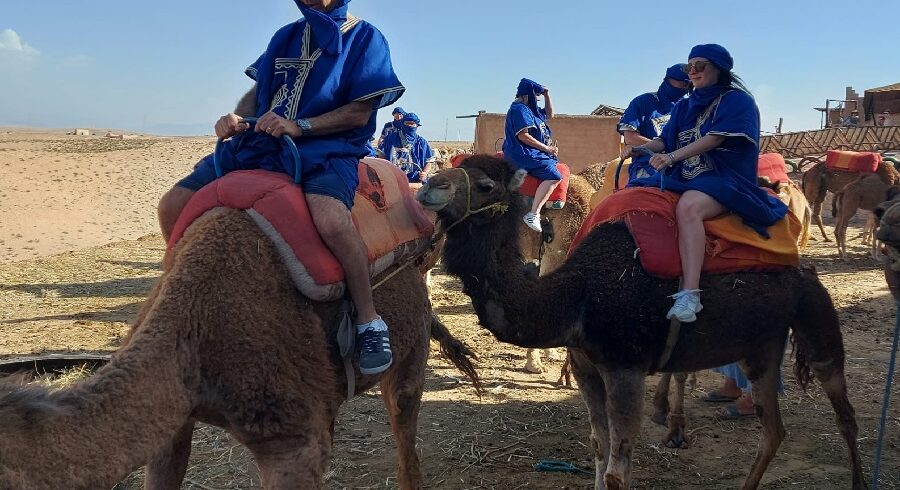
173, 67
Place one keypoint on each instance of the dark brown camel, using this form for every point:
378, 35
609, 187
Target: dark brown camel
611, 315
818, 180
225, 339
888, 233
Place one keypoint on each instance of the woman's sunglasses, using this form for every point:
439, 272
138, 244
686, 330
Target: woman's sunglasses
697, 66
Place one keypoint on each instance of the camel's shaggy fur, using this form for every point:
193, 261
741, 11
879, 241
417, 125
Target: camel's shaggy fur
224, 338
611, 315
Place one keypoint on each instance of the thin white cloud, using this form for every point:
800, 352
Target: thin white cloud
12, 43
78, 60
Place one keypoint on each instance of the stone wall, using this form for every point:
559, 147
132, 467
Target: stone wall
582, 140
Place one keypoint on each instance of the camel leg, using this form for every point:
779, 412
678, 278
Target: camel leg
166, 470
661, 399
692, 381
625, 390
593, 391
533, 362
763, 368
552, 354
817, 218
401, 389
677, 422
299, 466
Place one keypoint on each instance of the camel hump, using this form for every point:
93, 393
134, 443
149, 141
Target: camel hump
392, 224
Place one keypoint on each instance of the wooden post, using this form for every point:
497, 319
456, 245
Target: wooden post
780, 121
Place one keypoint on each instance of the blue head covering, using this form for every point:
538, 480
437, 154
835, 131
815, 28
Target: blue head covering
718, 55
676, 72
532, 89
666, 91
326, 26
398, 110
411, 116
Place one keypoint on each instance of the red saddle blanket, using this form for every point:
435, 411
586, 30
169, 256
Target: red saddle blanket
865, 162
731, 246
393, 225
771, 165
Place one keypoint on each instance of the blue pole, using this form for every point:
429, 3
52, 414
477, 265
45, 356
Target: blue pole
887, 401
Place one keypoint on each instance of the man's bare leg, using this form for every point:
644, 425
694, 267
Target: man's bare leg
335, 225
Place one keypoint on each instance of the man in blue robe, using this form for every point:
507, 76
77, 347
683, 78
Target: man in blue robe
320, 81
391, 126
648, 113
408, 150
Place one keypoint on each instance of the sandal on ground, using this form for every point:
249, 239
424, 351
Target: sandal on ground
732, 412
716, 397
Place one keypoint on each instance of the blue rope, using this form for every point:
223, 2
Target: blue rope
217, 153
887, 402
556, 465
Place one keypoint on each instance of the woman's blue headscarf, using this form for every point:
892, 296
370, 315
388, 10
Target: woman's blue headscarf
702, 97
398, 110
326, 26
532, 89
408, 132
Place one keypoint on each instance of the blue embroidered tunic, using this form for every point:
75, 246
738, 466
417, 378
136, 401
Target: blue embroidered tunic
407, 150
306, 72
726, 173
520, 117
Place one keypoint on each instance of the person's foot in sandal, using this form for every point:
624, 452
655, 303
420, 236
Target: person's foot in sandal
728, 391
741, 408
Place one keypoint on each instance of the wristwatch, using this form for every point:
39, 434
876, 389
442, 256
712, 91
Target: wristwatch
304, 126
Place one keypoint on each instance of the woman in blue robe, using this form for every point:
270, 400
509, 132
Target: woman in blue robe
408, 150
647, 115
528, 144
708, 152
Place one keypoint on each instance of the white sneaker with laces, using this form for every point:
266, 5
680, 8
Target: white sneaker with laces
533, 221
687, 305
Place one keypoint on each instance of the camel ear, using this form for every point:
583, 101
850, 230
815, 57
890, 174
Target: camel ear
516, 180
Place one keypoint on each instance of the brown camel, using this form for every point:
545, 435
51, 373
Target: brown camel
865, 193
611, 315
818, 180
888, 233
225, 339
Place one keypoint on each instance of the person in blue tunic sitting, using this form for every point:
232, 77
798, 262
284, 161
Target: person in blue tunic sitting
708, 152
408, 150
391, 126
648, 113
529, 146
320, 81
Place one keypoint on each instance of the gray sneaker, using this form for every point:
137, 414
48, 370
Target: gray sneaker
374, 350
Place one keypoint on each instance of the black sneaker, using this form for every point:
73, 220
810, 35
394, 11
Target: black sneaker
374, 350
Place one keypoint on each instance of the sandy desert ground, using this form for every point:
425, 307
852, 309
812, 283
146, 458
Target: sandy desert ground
79, 251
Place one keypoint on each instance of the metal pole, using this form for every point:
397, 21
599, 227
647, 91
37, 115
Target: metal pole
886, 402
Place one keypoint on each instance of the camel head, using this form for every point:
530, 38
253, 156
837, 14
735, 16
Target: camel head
480, 190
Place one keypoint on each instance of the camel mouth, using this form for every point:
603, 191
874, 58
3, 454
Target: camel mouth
434, 198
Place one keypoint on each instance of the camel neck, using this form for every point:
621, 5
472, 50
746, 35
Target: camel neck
518, 309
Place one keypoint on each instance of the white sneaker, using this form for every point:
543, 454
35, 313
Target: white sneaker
687, 305
533, 221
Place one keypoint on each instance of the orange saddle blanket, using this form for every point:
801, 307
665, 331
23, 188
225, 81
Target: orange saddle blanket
865, 162
393, 225
731, 246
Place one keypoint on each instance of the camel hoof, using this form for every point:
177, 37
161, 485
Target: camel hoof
554, 354
531, 368
614, 482
676, 441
